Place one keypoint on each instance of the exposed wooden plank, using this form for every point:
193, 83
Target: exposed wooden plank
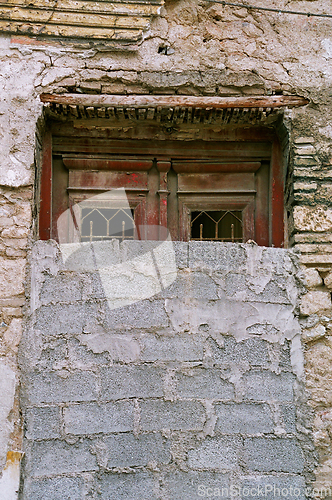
79, 179
86, 19
216, 183
198, 166
43, 29
83, 163
277, 202
274, 101
231, 150
100, 131
262, 180
46, 188
84, 6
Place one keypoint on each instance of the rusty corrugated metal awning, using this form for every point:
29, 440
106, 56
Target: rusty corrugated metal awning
117, 21
178, 109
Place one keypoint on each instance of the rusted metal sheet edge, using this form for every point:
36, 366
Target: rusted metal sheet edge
149, 101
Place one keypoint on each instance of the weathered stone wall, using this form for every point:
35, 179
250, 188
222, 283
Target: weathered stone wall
217, 51
202, 384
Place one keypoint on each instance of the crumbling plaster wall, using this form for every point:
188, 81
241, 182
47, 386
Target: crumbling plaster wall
217, 51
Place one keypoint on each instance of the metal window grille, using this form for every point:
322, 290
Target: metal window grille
222, 225
105, 224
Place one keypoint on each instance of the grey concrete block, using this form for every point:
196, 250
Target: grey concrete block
44, 387
243, 418
43, 423
193, 485
93, 418
285, 356
252, 351
131, 249
61, 319
52, 353
63, 288
89, 256
126, 450
218, 453
274, 292
285, 487
181, 249
203, 384
269, 454
137, 486
178, 348
56, 488
267, 386
120, 381
92, 287
178, 415
192, 284
82, 357
58, 457
142, 314
217, 256
236, 285
288, 412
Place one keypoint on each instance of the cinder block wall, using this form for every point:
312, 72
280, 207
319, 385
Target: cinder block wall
198, 387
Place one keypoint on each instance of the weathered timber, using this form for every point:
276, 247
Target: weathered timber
275, 101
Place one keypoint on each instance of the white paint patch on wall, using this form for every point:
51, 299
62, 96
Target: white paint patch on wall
327, 45
10, 480
7, 393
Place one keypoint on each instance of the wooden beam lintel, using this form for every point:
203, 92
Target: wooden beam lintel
150, 101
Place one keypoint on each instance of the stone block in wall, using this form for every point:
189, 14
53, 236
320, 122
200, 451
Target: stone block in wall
268, 386
312, 277
315, 333
265, 454
191, 485
158, 414
133, 486
315, 301
243, 418
56, 488
43, 423
120, 382
319, 377
203, 384
127, 450
93, 418
12, 276
328, 281
218, 453
46, 387
316, 219
61, 458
